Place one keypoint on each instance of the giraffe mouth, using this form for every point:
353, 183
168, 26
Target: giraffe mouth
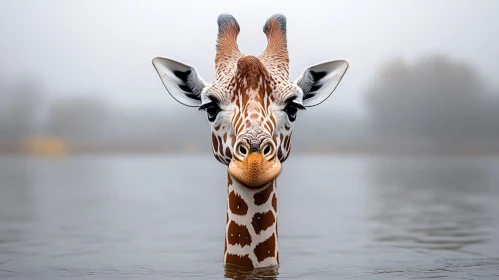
256, 188
255, 171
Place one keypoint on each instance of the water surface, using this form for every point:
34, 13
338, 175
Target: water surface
145, 217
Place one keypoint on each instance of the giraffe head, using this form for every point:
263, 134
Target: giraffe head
252, 105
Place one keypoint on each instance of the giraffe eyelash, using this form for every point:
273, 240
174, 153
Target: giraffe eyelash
214, 102
296, 105
205, 106
289, 102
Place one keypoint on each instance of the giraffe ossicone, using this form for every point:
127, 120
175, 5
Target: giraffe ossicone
251, 106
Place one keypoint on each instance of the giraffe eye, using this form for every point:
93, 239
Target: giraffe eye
291, 109
211, 109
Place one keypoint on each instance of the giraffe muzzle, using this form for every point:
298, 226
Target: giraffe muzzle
252, 168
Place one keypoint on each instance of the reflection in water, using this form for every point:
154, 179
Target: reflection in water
436, 205
149, 217
239, 273
16, 208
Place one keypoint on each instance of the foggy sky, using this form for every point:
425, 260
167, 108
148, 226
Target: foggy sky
105, 47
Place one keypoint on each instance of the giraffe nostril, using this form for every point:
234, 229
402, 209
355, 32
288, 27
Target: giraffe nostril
242, 150
266, 151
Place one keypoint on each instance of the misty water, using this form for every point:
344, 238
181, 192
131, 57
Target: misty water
163, 217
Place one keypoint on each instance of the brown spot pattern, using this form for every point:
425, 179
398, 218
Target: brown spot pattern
238, 123
262, 197
218, 158
274, 203
237, 204
263, 221
220, 145
286, 142
225, 248
237, 234
214, 142
272, 120
252, 69
243, 261
266, 249
279, 153
228, 153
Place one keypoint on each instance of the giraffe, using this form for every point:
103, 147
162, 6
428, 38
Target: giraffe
251, 106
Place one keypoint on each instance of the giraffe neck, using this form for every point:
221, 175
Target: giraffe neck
251, 229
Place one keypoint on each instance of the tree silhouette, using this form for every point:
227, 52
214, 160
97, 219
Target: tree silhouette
20, 109
435, 98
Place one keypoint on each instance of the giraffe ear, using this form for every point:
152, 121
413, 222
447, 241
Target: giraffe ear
180, 80
319, 81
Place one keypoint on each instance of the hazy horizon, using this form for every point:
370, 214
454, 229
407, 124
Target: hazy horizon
422, 75
104, 48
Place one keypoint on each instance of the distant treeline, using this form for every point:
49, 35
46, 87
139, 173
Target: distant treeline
434, 105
